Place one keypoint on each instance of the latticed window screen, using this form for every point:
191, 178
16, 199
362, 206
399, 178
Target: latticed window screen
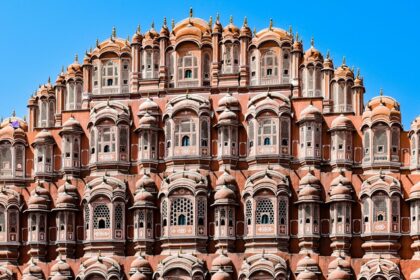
5, 159
149, 219
20, 153
204, 133
248, 212
283, 211
182, 211
379, 208
230, 216
164, 209
251, 133
201, 211
206, 66
379, 140
310, 81
87, 216
110, 74
285, 131
13, 221
395, 209
141, 219
264, 211
267, 132
119, 217
286, 63
185, 133
123, 139
366, 209
269, 65
395, 140
101, 217
187, 67
222, 217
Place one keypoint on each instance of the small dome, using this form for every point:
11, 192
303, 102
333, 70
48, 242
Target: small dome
61, 267
145, 182
306, 275
308, 191
221, 275
231, 29
164, 31
148, 106
340, 190
151, 34
309, 179
43, 137
245, 30
228, 101
74, 69
147, 119
415, 191
380, 111
143, 196
343, 71
339, 262
227, 115
310, 112
225, 179
306, 262
32, 269
140, 264
341, 179
222, 261
415, 124
338, 274
70, 122
341, 122
313, 55
71, 125
224, 193
137, 37
65, 198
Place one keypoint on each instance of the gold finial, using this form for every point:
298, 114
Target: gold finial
245, 22
312, 42
173, 24
290, 30
231, 19
164, 22
14, 113
381, 92
138, 29
97, 42
270, 26
76, 58
344, 60
297, 37
114, 32
255, 31
191, 12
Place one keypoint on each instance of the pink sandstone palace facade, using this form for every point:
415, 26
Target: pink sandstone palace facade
205, 151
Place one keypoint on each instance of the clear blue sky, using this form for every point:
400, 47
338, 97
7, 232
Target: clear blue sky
382, 37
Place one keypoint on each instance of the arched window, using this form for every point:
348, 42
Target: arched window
101, 217
283, 208
188, 67
251, 134
150, 63
253, 67
264, 208
230, 61
164, 213
379, 208
380, 143
2, 220
51, 113
110, 74
5, 159
182, 206
106, 139
201, 212
204, 133
181, 220
267, 132
286, 66
206, 68
269, 67
184, 132
87, 216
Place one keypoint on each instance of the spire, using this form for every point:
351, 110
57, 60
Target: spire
245, 22
231, 19
291, 30
210, 22
328, 54
76, 58
14, 113
270, 26
312, 42
138, 29
344, 61
164, 22
62, 68
114, 32
255, 31
218, 18
172, 24
358, 73
97, 42
191, 12
49, 80
297, 37
152, 25
381, 92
